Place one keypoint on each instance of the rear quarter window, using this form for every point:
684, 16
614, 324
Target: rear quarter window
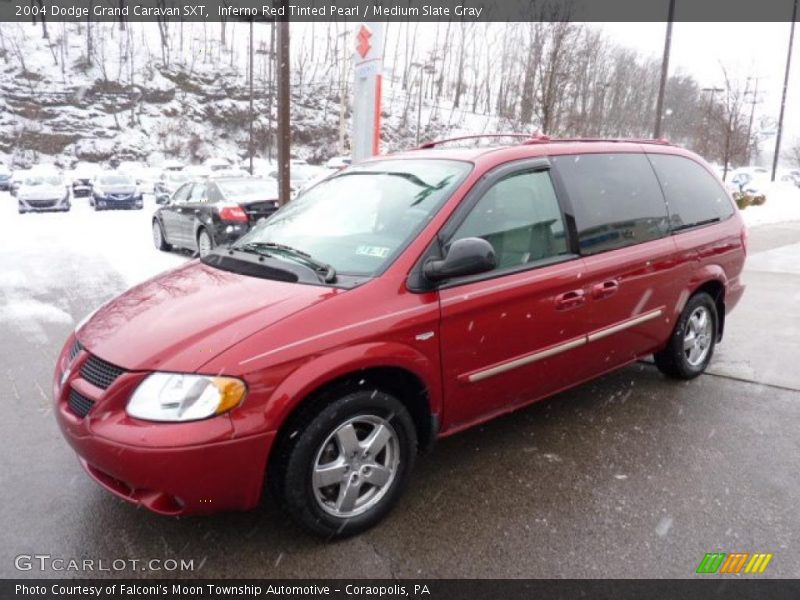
693, 196
616, 199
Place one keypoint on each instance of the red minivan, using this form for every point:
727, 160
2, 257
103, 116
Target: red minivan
405, 298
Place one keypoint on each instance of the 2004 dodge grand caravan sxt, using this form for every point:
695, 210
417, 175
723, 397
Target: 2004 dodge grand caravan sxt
405, 298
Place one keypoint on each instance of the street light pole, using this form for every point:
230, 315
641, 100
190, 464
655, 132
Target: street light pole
776, 157
664, 71
252, 113
284, 131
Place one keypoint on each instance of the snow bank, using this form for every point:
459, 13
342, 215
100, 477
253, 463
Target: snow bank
783, 204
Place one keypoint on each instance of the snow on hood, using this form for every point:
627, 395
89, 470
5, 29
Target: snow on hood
41, 192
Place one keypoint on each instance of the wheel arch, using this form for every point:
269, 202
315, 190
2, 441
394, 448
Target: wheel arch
714, 287
316, 384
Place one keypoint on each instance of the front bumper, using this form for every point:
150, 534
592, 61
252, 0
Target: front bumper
170, 468
43, 204
111, 203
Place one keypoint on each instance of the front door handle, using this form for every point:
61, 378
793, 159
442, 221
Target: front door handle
571, 299
605, 289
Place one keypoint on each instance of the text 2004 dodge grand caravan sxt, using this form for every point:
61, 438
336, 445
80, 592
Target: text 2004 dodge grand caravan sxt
403, 299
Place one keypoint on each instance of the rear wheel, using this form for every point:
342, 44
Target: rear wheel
692, 343
159, 240
342, 469
204, 243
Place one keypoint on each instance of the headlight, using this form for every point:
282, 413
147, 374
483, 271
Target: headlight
179, 397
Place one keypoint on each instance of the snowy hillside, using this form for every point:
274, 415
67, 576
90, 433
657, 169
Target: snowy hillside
132, 104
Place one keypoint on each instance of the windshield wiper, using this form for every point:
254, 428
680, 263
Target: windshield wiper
325, 271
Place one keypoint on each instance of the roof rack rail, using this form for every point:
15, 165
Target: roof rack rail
545, 139
540, 138
434, 143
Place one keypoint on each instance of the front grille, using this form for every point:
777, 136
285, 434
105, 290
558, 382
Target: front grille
73, 352
42, 203
79, 404
99, 372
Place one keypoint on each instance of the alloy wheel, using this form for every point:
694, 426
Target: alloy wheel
356, 466
697, 336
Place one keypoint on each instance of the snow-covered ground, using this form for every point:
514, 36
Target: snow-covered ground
44, 254
783, 204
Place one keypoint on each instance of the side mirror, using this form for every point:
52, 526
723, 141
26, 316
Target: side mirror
162, 198
467, 256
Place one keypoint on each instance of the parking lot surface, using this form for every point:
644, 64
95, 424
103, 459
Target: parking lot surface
628, 476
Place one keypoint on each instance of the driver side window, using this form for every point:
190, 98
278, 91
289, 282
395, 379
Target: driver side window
521, 218
198, 193
182, 195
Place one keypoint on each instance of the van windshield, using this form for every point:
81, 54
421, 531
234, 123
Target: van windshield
359, 220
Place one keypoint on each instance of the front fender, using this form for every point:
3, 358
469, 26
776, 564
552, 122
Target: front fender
317, 371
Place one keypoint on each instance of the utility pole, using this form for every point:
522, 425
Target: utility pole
252, 113
271, 84
711, 92
284, 97
783, 95
664, 71
753, 103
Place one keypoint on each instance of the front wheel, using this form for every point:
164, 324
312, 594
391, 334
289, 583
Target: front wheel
159, 240
340, 471
692, 343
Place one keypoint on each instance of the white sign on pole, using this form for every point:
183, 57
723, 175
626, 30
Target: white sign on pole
367, 72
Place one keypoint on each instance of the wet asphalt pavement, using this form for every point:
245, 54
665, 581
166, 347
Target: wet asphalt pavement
628, 476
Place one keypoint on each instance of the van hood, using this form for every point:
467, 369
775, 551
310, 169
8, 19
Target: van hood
183, 318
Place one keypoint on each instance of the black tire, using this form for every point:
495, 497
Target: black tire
674, 360
161, 242
200, 234
305, 439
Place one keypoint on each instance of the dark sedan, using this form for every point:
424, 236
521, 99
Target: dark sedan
113, 189
204, 214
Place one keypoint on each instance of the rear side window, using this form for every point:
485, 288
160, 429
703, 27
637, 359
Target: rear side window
616, 199
212, 193
693, 196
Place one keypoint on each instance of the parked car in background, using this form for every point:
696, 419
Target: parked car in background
324, 173
300, 174
43, 190
403, 299
81, 177
144, 176
5, 178
168, 183
17, 177
172, 164
339, 162
229, 172
114, 190
204, 214
739, 178
216, 164
197, 172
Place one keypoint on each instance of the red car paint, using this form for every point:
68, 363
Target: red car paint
286, 340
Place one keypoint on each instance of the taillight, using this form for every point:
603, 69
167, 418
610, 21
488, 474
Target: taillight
232, 213
745, 238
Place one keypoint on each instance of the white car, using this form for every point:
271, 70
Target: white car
43, 191
170, 181
339, 162
172, 165
216, 164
